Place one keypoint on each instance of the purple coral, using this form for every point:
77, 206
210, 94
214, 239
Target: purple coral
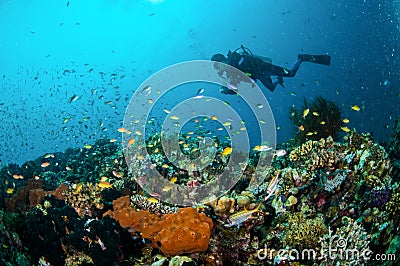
378, 198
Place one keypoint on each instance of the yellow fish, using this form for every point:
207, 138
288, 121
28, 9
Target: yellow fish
355, 108
104, 184
226, 151
78, 188
131, 141
311, 133
305, 112
167, 188
322, 122
345, 120
113, 140
345, 129
174, 117
87, 146
315, 113
228, 123
122, 130
238, 218
10, 190
214, 117
152, 200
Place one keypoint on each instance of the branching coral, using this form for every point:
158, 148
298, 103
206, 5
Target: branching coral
348, 246
303, 232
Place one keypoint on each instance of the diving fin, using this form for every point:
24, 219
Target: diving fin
318, 59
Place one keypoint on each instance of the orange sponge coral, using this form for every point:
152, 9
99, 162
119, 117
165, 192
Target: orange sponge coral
185, 231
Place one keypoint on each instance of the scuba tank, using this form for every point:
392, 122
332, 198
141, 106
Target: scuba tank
246, 51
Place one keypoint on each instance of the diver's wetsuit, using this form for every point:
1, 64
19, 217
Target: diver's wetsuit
258, 69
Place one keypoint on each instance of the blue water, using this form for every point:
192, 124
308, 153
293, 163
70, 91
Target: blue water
102, 51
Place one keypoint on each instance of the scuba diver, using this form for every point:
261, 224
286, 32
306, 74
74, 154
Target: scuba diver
261, 68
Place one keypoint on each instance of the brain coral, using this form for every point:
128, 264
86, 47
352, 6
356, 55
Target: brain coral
185, 231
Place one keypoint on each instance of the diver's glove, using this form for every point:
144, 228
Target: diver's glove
277, 80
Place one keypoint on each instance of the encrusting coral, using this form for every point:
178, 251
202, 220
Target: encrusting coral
185, 231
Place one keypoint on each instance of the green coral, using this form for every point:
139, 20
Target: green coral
322, 121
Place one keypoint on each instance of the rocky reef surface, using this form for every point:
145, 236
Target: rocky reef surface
83, 207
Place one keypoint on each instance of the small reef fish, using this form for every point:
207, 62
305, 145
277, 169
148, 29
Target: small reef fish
322, 122
311, 133
146, 91
15, 176
345, 129
315, 113
174, 117
238, 218
226, 151
200, 91
279, 153
73, 98
104, 184
355, 108
78, 188
116, 174
272, 186
123, 130
262, 148
45, 164
345, 120
305, 112
301, 127
152, 200
131, 141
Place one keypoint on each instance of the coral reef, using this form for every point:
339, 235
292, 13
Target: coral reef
185, 231
85, 198
55, 232
347, 246
11, 245
144, 203
303, 232
320, 121
30, 195
223, 205
64, 216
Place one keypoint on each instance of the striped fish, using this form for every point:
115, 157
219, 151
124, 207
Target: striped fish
272, 186
238, 218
